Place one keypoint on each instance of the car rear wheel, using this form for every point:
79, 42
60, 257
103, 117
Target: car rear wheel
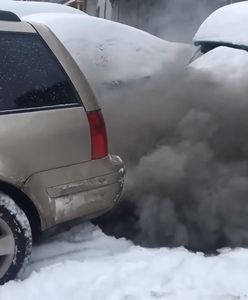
15, 239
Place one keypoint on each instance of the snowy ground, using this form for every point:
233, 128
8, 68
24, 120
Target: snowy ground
86, 264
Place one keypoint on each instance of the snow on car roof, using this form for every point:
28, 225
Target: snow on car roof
111, 54
23, 8
228, 24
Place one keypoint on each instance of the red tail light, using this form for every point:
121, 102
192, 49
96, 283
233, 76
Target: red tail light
99, 140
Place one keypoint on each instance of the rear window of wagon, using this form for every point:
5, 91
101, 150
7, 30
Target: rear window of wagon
30, 75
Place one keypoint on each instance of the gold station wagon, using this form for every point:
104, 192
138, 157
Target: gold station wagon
54, 160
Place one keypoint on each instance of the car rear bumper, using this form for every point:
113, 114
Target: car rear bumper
82, 191
86, 198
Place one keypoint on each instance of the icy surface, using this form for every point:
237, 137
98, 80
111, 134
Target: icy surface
228, 24
86, 264
110, 54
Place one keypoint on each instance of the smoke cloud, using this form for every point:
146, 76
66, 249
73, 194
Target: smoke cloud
173, 20
184, 140
178, 20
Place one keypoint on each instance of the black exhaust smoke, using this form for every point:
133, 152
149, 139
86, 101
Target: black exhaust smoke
184, 139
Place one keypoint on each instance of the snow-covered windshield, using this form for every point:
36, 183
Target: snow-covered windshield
205, 47
208, 46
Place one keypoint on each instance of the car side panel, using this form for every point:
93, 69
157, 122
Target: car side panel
32, 142
80, 190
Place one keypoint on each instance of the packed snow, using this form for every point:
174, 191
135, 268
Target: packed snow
228, 24
86, 264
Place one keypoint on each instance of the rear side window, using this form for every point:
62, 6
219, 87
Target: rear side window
30, 75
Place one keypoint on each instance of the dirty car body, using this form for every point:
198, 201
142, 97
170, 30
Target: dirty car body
54, 160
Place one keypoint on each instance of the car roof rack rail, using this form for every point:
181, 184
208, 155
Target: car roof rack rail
8, 16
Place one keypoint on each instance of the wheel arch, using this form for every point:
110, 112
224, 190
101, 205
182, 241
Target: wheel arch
25, 203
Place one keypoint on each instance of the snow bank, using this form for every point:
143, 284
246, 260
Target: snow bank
86, 264
112, 54
228, 24
22, 8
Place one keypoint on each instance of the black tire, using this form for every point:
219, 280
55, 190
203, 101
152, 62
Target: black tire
15, 222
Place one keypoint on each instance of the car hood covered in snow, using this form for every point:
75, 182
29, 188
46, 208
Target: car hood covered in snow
227, 25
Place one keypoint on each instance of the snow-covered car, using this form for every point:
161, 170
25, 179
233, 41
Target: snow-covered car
125, 66
54, 161
222, 42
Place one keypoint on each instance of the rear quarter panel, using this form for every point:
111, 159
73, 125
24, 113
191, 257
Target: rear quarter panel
37, 141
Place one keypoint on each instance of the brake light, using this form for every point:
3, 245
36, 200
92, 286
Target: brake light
99, 140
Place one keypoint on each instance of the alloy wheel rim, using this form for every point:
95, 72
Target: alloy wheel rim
7, 247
